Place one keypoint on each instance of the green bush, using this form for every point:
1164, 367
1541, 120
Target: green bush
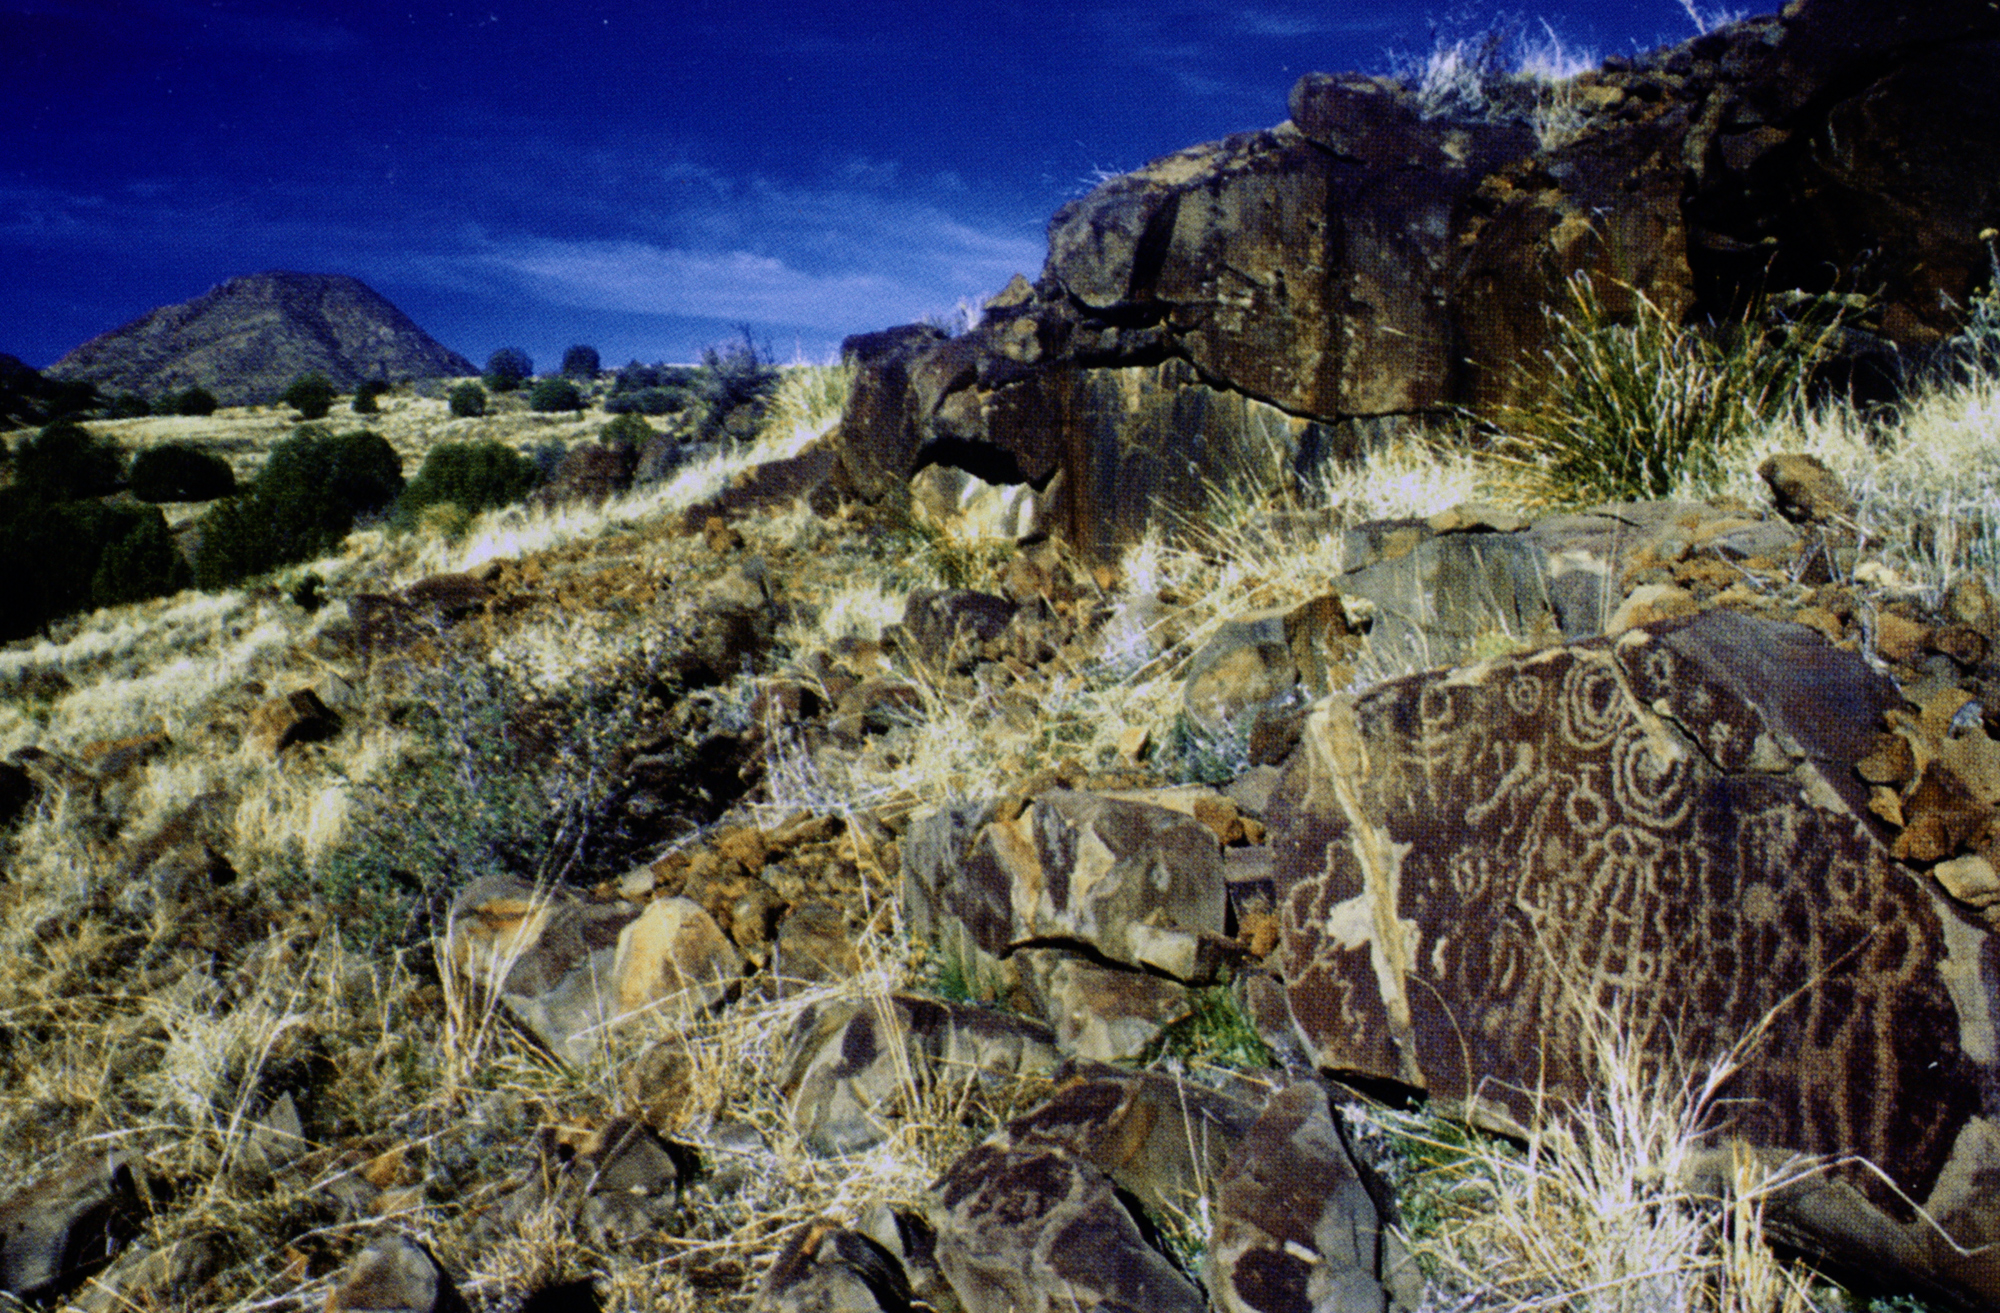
128, 405
474, 476
364, 397
507, 368
140, 561
311, 395
1640, 410
56, 558
553, 395
66, 461
468, 401
581, 362
180, 472
628, 429
195, 401
301, 504
647, 401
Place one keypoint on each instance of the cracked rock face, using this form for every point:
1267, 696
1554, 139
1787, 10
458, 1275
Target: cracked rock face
1306, 287
1477, 868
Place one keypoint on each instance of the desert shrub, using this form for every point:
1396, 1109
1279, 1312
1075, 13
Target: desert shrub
1630, 411
474, 476
302, 503
547, 457
468, 401
627, 428
551, 395
507, 367
473, 798
128, 405
66, 461
311, 395
180, 471
364, 397
735, 383
139, 560
194, 401
581, 362
56, 558
647, 401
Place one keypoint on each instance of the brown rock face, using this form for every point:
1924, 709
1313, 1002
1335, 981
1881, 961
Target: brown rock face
246, 339
1296, 289
1666, 829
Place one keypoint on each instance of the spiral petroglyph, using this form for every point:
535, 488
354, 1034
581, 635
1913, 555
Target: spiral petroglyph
1473, 864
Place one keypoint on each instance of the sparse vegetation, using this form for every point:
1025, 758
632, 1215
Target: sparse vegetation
735, 383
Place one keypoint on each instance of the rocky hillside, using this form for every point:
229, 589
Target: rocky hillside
819, 875
245, 340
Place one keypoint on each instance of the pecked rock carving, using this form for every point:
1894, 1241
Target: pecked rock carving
1665, 829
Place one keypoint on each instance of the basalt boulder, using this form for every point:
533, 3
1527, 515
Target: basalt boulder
1484, 875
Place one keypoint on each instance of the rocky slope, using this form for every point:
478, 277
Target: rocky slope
246, 339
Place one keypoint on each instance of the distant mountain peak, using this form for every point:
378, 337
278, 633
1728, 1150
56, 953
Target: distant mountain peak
246, 339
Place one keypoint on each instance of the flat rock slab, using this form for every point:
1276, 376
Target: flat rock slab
1664, 829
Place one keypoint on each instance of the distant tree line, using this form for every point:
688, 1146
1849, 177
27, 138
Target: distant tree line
80, 518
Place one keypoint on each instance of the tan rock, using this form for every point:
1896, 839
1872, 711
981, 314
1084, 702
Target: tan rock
394, 1275
1649, 604
1970, 879
1899, 639
1804, 490
674, 958
1100, 1014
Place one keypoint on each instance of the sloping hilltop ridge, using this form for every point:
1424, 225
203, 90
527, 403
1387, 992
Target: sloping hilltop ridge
724, 882
246, 339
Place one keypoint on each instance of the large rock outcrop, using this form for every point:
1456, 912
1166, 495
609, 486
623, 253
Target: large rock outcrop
246, 339
1487, 876
1285, 294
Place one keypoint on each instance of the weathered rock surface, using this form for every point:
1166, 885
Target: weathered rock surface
858, 1066
1666, 828
1295, 1228
246, 339
1139, 884
1286, 294
830, 1269
566, 969
394, 1275
57, 1230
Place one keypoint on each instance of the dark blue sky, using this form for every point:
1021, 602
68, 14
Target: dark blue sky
641, 178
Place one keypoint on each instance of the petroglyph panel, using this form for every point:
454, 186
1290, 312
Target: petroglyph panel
1473, 864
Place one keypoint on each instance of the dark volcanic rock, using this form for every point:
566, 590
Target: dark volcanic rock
1286, 294
1476, 869
245, 340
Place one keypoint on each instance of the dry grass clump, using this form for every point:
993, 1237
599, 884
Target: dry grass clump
1603, 1207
